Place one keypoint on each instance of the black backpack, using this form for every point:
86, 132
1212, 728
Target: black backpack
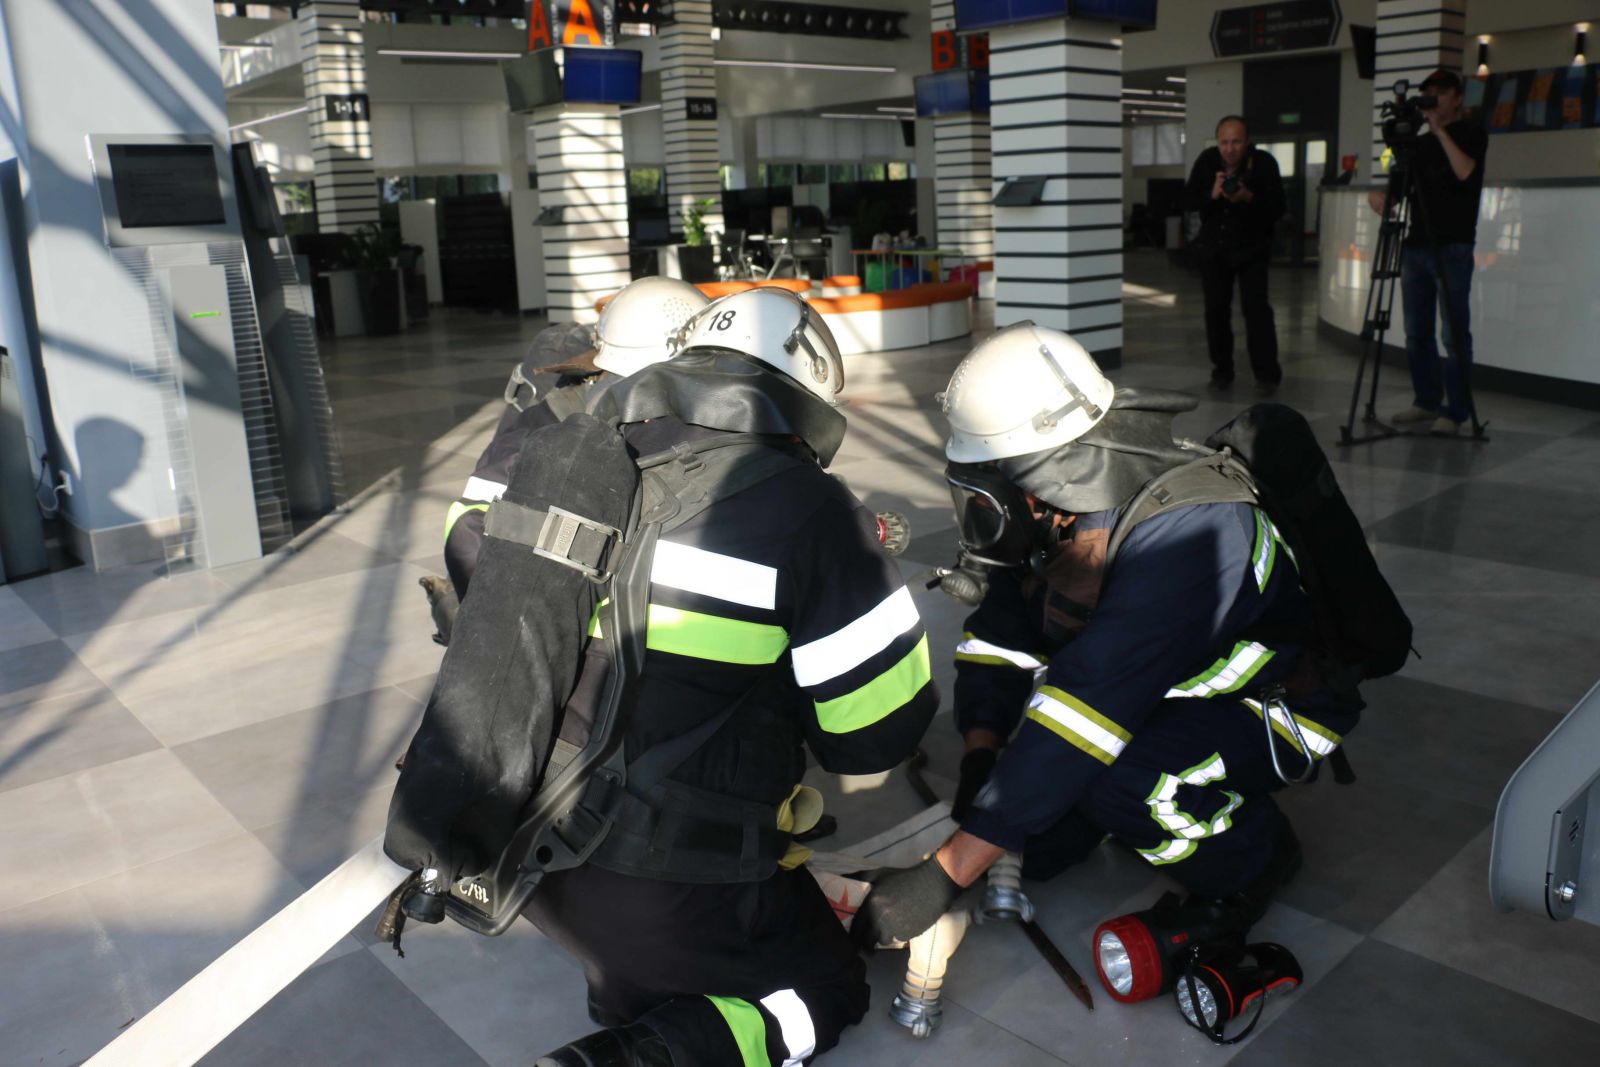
1268, 456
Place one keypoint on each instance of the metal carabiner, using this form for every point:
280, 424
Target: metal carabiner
1272, 700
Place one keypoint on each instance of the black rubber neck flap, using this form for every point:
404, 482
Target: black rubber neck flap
1105, 467
725, 390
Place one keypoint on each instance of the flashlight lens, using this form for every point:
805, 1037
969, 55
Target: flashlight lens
1208, 1002
1114, 962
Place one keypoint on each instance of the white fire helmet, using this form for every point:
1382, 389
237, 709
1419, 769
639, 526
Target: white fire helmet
644, 323
1026, 389
779, 329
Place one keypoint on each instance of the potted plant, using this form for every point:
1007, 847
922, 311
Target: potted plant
695, 254
371, 252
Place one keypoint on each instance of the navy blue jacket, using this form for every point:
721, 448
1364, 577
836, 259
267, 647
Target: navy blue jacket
1201, 604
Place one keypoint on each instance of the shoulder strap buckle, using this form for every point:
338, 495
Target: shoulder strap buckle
558, 535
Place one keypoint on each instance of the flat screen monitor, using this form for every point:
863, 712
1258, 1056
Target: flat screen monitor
603, 76
1364, 40
951, 92
1020, 192
532, 81
1129, 14
780, 221
166, 185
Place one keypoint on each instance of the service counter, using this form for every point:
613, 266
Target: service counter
1535, 289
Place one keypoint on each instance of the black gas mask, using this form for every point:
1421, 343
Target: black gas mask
995, 525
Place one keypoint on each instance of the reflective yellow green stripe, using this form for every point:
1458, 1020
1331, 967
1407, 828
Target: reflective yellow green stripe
458, 509
1087, 712
1330, 739
879, 697
1240, 665
690, 633
749, 1029
1071, 737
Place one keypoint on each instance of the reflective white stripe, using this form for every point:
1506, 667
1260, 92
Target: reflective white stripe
799, 1035
1319, 744
972, 646
1246, 659
1164, 806
1262, 563
1082, 725
482, 489
695, 570
854, 643
1171, 852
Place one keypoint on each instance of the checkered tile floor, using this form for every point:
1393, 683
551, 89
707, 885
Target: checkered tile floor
181, 755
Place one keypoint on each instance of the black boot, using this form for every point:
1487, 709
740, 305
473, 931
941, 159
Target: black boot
635, 1045
1244, 909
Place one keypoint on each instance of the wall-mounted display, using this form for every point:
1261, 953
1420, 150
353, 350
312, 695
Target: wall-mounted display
1529, 101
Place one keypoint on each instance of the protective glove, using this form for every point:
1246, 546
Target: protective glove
975, 769
903, 902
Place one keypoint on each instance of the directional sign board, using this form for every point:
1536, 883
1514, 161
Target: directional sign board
1286, 26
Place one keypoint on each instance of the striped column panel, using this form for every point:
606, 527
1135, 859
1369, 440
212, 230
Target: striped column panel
1415, 38
693, 162
341, 151
1057, 114
962, 174
579, 159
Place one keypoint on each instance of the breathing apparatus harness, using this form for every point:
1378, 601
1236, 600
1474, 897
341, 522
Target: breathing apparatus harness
593, 801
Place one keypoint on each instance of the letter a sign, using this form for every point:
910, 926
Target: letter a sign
586, 23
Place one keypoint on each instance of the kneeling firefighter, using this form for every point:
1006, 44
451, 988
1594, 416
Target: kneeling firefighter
1141, 636
642, 325
774, 622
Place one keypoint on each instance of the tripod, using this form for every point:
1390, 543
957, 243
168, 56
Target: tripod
1386, 266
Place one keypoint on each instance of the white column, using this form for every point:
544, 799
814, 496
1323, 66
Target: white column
1057, 114
1415, 38
341, 148
581, 172
962, 174
687, 72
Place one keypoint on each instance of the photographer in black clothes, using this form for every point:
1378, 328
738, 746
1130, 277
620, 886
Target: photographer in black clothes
1436, 259
1238, 194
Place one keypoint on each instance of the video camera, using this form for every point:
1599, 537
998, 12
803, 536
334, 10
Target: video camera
1403, 116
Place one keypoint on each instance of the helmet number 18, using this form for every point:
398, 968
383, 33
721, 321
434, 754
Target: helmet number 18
724, 321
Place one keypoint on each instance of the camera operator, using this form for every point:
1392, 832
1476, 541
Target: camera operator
1446, 183
1237, 192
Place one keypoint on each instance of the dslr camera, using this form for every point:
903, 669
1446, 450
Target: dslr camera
1232, 184
1402, 116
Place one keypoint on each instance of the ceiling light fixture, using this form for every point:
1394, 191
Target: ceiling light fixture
846, 115
899, 110
428, 53
269, 118
640, 108
788, 65
1177, 80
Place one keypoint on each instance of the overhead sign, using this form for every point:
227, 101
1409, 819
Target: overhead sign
567, 23
952, 50
1286, 26
350, 107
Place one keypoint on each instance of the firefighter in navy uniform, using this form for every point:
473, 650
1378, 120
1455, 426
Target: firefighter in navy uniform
640, 326
776, 617
1131, 699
